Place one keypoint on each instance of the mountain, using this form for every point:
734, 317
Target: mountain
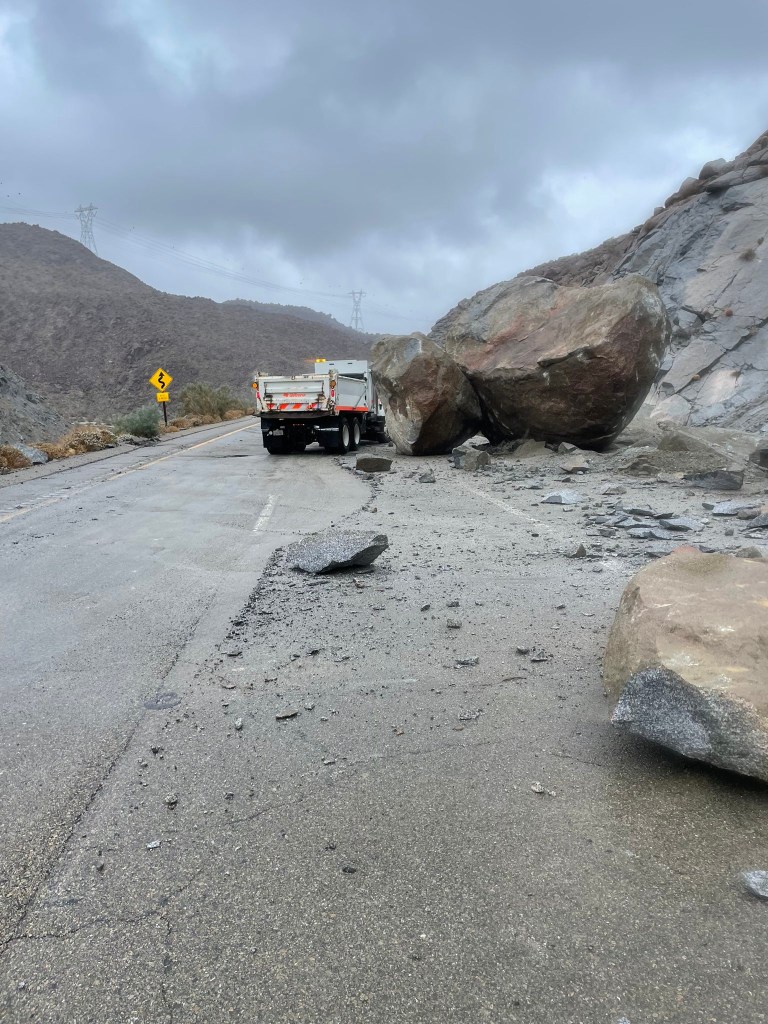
303, 313
87, 334
706, 250
23, 414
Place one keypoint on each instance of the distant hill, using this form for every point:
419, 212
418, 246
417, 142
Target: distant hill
23, 414
87, 334
303, 313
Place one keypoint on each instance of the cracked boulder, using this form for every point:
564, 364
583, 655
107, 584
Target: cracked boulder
558, 364
687, 659
336, 549
430, 405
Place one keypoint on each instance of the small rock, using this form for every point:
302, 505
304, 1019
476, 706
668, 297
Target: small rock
756, 883
578, 465
348, 869
610, 489
453, 624
309, 706
154, 845
171, 800
731, 508
680, 524
716, 480
523, 650
452, 604
579, 552
238, 724
468, 662
281, 716
475, 460
373, 464
425, 607
562, 498
541, 790
427, 478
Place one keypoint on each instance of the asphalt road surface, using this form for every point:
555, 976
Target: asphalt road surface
422, 841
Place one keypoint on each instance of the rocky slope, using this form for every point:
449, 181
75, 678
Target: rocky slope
705, 249
87, 334
23, 414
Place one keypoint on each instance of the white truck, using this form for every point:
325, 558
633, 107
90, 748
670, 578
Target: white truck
336, 406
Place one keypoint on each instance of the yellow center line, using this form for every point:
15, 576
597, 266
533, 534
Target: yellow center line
123, 472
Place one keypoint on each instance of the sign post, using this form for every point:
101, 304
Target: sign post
164, 397
160, 380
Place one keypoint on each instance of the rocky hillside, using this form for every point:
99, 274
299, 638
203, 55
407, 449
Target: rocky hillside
23, 414
87, 334
706, 250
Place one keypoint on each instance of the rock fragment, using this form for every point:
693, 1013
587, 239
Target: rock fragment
373, 464
563, 498
716, 480
332, 550
756, 883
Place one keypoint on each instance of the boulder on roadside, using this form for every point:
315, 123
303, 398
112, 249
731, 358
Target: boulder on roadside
687, 658
558, 364
34, 455
373, 464
331, 550
430, 405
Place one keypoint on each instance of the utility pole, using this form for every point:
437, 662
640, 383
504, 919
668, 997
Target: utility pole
86, 215
356, 320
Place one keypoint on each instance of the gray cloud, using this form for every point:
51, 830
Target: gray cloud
418, 150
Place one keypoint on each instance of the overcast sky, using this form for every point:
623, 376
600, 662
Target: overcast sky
418, 150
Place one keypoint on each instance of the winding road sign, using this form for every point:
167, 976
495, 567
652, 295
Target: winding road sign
160, 379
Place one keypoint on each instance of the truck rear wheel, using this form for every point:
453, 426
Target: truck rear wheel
354, 426
276, 445
340, 439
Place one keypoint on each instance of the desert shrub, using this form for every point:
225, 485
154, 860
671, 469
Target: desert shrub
143, 422
204, 400
53, 450
11, 458
87, 437
749, 254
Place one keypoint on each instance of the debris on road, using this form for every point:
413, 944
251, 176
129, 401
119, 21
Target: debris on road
373, 464
282, 716
332, 550
541, 790
562, 498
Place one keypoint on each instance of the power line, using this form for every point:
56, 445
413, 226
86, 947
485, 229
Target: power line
356, 320
163, 251
86, 215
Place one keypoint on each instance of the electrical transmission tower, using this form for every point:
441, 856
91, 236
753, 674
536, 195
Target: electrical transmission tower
356, 320
86, 215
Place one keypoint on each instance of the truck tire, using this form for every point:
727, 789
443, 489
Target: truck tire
354, 442
276, 445
340, 439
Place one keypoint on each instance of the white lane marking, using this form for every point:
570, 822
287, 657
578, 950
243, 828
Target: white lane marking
266, 514
504, 506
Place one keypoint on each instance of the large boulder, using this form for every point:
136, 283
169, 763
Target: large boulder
558, 364
687, 659
430, 405
332, 550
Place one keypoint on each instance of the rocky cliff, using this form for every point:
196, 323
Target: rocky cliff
23, 414
706, 250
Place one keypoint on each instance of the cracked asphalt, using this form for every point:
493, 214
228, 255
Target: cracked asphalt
420, 840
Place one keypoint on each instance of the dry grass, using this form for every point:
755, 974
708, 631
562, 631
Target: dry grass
10, 459
54, 450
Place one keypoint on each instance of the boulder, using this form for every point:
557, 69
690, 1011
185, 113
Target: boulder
336, 549
687, 659
35, 456
430, 405
475, 460
558, 364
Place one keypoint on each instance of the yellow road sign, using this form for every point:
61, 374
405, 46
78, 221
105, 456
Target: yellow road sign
163, 396
160, 379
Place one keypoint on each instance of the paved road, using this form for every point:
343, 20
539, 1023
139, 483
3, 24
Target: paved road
380, 857
115, 577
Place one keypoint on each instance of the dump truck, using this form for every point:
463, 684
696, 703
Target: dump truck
337, 406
